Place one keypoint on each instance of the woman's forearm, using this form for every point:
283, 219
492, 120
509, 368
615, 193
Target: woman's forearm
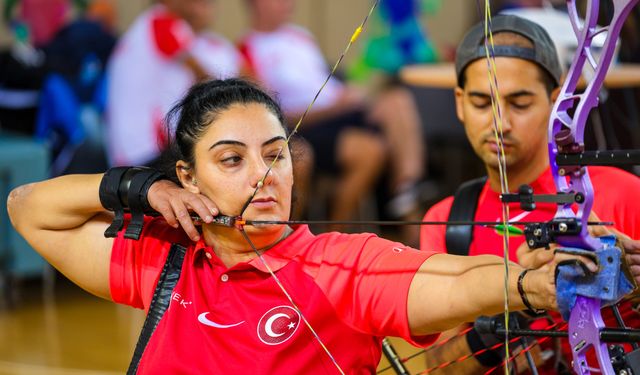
485, 291
449, 290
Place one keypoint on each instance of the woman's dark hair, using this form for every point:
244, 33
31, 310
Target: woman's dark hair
193, 115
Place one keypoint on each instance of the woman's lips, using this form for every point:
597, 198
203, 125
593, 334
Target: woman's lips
264, 203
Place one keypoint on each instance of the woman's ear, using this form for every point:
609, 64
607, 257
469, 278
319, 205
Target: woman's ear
187, 177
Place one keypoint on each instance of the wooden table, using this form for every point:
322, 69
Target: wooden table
444, 76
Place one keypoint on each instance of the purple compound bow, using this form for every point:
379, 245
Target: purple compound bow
566, 146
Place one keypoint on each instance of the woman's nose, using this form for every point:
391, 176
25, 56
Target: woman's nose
263, 176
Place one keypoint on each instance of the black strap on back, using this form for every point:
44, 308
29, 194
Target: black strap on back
465, 201
160, 302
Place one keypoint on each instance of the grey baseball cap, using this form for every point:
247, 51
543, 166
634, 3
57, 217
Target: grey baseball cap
543, 53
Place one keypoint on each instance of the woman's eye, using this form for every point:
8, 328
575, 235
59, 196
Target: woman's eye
231, 160
275, 156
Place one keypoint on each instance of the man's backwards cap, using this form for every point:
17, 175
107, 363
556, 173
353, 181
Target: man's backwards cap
543, 53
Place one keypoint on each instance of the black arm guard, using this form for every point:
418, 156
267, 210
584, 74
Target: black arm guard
124, 189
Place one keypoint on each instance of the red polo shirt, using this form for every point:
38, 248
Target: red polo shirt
614, 201
352, 288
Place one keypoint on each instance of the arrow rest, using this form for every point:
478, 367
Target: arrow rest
543, 234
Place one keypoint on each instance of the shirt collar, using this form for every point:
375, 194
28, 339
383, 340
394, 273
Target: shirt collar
275, 258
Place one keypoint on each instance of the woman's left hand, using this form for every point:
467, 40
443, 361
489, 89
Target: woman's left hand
540, 284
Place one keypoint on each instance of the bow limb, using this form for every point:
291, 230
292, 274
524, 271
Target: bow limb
566, 136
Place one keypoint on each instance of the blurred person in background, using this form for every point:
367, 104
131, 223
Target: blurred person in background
52, 76
168, 48
352, 135
72, 100
32, 24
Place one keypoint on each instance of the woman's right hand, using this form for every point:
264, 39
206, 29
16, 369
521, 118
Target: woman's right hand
175, 204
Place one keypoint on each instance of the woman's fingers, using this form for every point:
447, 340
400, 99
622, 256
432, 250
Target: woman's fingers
564, 258
184, 219
197, 204
211, 207
166, 210
541, 288
534, 258
176, 205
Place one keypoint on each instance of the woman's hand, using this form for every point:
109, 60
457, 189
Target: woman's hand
174, 204
540, 284
534, 258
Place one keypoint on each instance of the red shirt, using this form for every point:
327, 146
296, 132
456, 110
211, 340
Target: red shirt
351, 288
613, 202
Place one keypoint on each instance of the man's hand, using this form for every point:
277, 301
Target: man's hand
629, 246
174, 203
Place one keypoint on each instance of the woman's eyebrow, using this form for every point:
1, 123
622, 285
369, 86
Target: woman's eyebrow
274, 139
238, 143
227, 142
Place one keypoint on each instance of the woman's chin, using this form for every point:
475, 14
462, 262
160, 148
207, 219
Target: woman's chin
267, 226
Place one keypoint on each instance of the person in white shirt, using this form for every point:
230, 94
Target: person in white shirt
166, 50
345, 128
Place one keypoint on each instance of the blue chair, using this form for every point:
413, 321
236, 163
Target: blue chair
22, 160
73, 125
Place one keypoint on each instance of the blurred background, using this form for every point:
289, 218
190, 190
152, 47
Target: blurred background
60, 66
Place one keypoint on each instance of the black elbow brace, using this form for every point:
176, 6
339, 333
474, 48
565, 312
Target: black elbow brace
124, 189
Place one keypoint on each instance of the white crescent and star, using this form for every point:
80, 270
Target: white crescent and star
278, 325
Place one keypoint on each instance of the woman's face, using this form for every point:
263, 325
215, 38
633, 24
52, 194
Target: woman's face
235, 153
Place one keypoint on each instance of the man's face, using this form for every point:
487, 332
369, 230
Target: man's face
525, 107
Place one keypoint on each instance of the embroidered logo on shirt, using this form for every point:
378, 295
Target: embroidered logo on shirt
278, 325
202, 318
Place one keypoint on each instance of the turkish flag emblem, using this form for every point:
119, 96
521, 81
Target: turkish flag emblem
278, 325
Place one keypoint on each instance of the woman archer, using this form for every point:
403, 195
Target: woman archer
281, 300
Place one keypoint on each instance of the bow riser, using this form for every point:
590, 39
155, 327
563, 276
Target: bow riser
571, 111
